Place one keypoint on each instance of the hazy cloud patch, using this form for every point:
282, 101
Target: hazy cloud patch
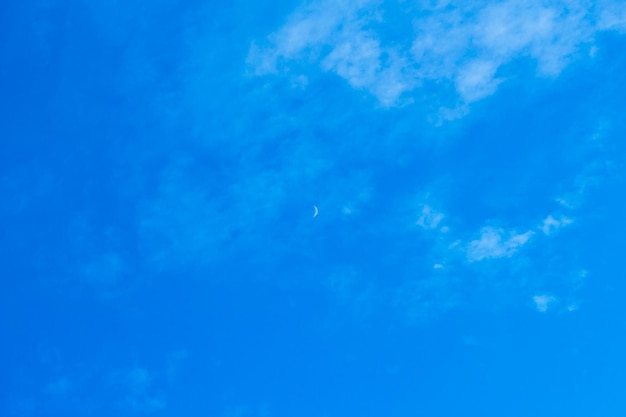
543, 302
551, 224
463, 44
429, 218
496, 243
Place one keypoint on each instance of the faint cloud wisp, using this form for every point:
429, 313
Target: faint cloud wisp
461, 44
543, 302
496, 243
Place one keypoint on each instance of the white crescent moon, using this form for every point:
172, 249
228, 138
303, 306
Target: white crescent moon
316, 211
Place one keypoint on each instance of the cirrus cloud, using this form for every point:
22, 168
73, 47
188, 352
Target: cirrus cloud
457, 44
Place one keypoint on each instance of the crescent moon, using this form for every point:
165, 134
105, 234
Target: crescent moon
316, 211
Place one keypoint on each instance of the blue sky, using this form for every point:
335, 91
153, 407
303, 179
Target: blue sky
160, 163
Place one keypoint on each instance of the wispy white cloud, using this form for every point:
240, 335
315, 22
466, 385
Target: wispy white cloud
465, 44
476, 79
335, 34
551, 224
429, 218
361, 60
612, 15
543, 302
507, 280
496, 243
